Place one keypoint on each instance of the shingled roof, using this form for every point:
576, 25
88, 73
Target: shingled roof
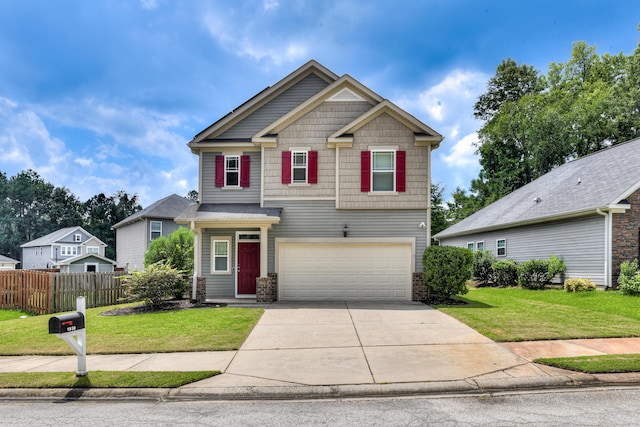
579, 187
167, 208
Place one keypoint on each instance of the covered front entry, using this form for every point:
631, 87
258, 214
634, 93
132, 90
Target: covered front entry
317, 269
248, 263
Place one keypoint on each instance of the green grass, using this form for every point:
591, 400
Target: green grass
610, 363
102, 379
204, 329
515, 314
12, 314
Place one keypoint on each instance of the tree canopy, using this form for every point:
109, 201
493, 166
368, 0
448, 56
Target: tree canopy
533, 123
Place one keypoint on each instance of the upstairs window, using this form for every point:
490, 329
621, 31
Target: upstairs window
93, 250
383, 171
77, 237
69, 250
233, 171
299, 167
155, 230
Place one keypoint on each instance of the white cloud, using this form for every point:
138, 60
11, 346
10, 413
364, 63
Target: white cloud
149, 4
269, 5
463, 153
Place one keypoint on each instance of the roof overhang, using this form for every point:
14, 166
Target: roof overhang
228, 216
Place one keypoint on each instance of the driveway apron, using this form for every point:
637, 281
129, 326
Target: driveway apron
334, 343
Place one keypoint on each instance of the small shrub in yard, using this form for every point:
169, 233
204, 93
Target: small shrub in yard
154, 285
556, 267
446, 270
579, 285
629, 279
534, 274
482, 262
505, 273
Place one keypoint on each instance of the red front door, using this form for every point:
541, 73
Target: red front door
248, 267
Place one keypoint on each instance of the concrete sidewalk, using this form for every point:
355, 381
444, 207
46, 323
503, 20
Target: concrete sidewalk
339, 349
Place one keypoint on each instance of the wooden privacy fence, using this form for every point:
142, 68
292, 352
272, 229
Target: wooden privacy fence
43, 293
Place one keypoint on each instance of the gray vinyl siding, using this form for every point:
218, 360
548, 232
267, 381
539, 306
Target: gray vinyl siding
131, 243
213, 194
579, 241
219, 285
276, 108
307, 219
79, 267
32, 257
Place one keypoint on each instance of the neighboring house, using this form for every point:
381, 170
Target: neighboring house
136, 232
586, 211
318, 187
7, 263
86, 263
49, 250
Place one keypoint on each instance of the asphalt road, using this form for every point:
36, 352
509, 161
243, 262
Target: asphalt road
590, 407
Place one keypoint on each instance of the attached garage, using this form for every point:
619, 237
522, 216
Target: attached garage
349, 269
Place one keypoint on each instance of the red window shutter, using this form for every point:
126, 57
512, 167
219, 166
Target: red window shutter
312, 159
245, 170
219, 171
365, 171
286, 167
401, 175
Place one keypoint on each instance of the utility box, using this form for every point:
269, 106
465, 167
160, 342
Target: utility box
66, 323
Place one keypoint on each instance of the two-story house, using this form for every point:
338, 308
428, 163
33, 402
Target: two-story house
61, 246
135, 233
316, 188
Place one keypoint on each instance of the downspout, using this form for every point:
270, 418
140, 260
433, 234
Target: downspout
607, 247
428, 195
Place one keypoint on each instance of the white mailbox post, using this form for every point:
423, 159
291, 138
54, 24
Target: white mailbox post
71, 328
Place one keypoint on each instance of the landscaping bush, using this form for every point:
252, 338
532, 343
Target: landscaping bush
156, 284
534, 274
629, 278
446, 270
505, 273
175, 251
556, 267
579, 285
482, 271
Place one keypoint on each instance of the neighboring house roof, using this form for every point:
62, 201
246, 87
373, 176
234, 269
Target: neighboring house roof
56, 236
6, 259
602, 180
75, 259
167, 208
229, 212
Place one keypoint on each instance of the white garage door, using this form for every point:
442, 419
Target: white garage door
344, 271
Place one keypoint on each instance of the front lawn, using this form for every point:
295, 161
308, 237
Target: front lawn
514, 314
200, 329
102, 379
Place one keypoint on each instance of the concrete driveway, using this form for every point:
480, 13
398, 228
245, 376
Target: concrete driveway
336, 343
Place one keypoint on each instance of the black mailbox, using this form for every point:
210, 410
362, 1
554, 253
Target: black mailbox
66, 323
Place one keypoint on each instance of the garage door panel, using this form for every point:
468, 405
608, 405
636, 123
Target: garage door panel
344, 271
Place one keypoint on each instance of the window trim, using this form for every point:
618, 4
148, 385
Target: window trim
77, 237
498, 247
471, 246
394, 171
227, 170
305, 167
478, 244
68, 250
151, 231
214, 240
93, 250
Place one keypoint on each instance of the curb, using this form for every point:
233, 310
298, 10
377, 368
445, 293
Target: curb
470, 386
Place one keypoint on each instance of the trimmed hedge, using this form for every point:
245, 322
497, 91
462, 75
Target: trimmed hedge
505, 273
446, 270
579, 285
534, 274
482, 267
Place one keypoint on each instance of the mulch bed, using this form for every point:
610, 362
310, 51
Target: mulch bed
170, 305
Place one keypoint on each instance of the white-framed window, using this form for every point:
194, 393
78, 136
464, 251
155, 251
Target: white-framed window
69, 250
299, 172
471, 246
77, 237
93, 250
383, 170
155, 229
91, 267
231, 171
501, 247
480, 246
220, 255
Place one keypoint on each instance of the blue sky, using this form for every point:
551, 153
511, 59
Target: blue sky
103, 96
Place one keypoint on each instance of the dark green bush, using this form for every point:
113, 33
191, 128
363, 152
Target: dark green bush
505, 273
446, 270
156, 284
629, 278
175, 251
556, 266
534, 274
482, 262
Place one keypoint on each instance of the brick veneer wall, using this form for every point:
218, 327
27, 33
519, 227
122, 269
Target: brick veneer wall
419, 290
267, 288
201, 290
626, 236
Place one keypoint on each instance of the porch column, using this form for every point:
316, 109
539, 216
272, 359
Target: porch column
264, 245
